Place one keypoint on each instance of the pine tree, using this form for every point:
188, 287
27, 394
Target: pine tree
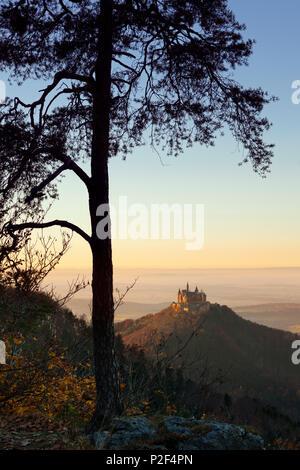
118, 73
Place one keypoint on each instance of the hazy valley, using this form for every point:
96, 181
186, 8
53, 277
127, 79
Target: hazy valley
284, 316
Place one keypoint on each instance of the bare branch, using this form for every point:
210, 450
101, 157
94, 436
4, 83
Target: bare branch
77, 169
74, 287
68, 164
124, 65
121, 295
46, 91
37, 190
60, 223
27, 268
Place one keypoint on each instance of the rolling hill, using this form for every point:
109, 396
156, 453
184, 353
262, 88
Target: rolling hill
82, 307
255, 359
285, 316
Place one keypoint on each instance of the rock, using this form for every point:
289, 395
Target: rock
211, 435
230, 437
176, 424
189, 445
100, 439
124, 431
134, 424
185, 434
154, 447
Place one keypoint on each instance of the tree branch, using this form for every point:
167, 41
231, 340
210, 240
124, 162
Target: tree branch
68, 164
36, 191
77, 170
57, 78
60, 223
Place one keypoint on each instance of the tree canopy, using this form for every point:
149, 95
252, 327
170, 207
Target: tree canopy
171, 81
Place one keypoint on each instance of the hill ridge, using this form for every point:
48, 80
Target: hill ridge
254, 357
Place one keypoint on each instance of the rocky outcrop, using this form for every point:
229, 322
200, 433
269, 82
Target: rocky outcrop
175, 433
124, 431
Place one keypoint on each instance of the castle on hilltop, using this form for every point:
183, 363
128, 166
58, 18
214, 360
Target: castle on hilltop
187, 298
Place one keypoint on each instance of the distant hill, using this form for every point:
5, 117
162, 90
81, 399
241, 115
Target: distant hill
285, 316
82, 306
135, 310
255, 359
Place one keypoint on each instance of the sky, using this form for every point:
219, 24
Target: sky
248, 221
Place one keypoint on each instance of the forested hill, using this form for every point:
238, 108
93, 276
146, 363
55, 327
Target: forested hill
255, 359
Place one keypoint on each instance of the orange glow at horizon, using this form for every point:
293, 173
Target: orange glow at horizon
170, 254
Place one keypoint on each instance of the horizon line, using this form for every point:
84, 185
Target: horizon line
182, 269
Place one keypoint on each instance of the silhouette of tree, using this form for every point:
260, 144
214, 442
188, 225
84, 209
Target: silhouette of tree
120, 73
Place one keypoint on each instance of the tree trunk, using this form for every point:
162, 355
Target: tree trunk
106, 370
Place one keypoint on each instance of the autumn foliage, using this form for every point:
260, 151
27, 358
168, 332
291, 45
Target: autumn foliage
48, 381
50, 385
49, 365
42, 374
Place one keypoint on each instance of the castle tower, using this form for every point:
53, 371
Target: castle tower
185, 297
